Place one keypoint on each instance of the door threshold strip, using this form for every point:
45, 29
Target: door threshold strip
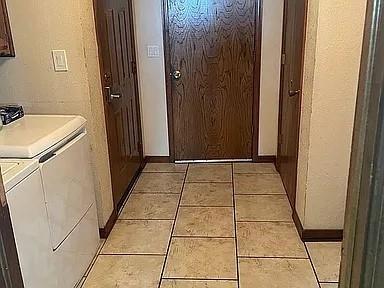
212, 161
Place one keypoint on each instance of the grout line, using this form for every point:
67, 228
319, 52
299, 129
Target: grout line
141, 220
226, 162
132, 254
162, 172
101, 247
173, 227
260, 194
128, 196
82, 282
200, 279
264, 221
144, 219
235, 226
203, 237
208, 206
92, 264
254, 174
313, 266
155, 193
94, 259
272, 257
205, 182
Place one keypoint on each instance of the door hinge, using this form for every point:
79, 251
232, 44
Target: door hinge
283, 59
134, 67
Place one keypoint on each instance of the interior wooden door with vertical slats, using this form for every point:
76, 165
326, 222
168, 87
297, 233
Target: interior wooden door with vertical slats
117, 51
212, 57
290, 94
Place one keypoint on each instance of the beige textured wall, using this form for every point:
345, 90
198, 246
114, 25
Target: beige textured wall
149, 31
102, 176
29, 79
270, 75
332, 61
306, 105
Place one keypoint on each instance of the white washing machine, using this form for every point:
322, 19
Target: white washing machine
25, 197
58, 146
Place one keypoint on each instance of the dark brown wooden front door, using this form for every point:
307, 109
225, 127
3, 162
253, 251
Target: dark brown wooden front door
290, 94
116, 43
212, 52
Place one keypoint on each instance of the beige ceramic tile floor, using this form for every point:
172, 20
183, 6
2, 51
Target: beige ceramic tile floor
212, 226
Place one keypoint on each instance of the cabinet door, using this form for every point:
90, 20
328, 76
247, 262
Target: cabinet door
6, 45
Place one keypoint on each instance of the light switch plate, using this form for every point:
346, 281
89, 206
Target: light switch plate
153, 51
60, 60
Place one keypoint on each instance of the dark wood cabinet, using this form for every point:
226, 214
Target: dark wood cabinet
6, 44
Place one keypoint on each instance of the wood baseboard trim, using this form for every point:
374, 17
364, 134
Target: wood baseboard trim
104, 232
130, 186
316, 235
157, 159
265, 159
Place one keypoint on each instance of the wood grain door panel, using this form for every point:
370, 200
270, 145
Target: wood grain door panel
290, 102
117, 53
212, 45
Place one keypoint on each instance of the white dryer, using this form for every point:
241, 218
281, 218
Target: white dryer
60, 145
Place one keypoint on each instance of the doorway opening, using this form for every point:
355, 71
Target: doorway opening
291, 81
212, 55
213, 74
114, 25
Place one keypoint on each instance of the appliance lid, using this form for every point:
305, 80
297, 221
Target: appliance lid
14, 171
33, 134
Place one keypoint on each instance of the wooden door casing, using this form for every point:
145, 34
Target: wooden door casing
114, 19
213, 107
6, 43
291, 93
